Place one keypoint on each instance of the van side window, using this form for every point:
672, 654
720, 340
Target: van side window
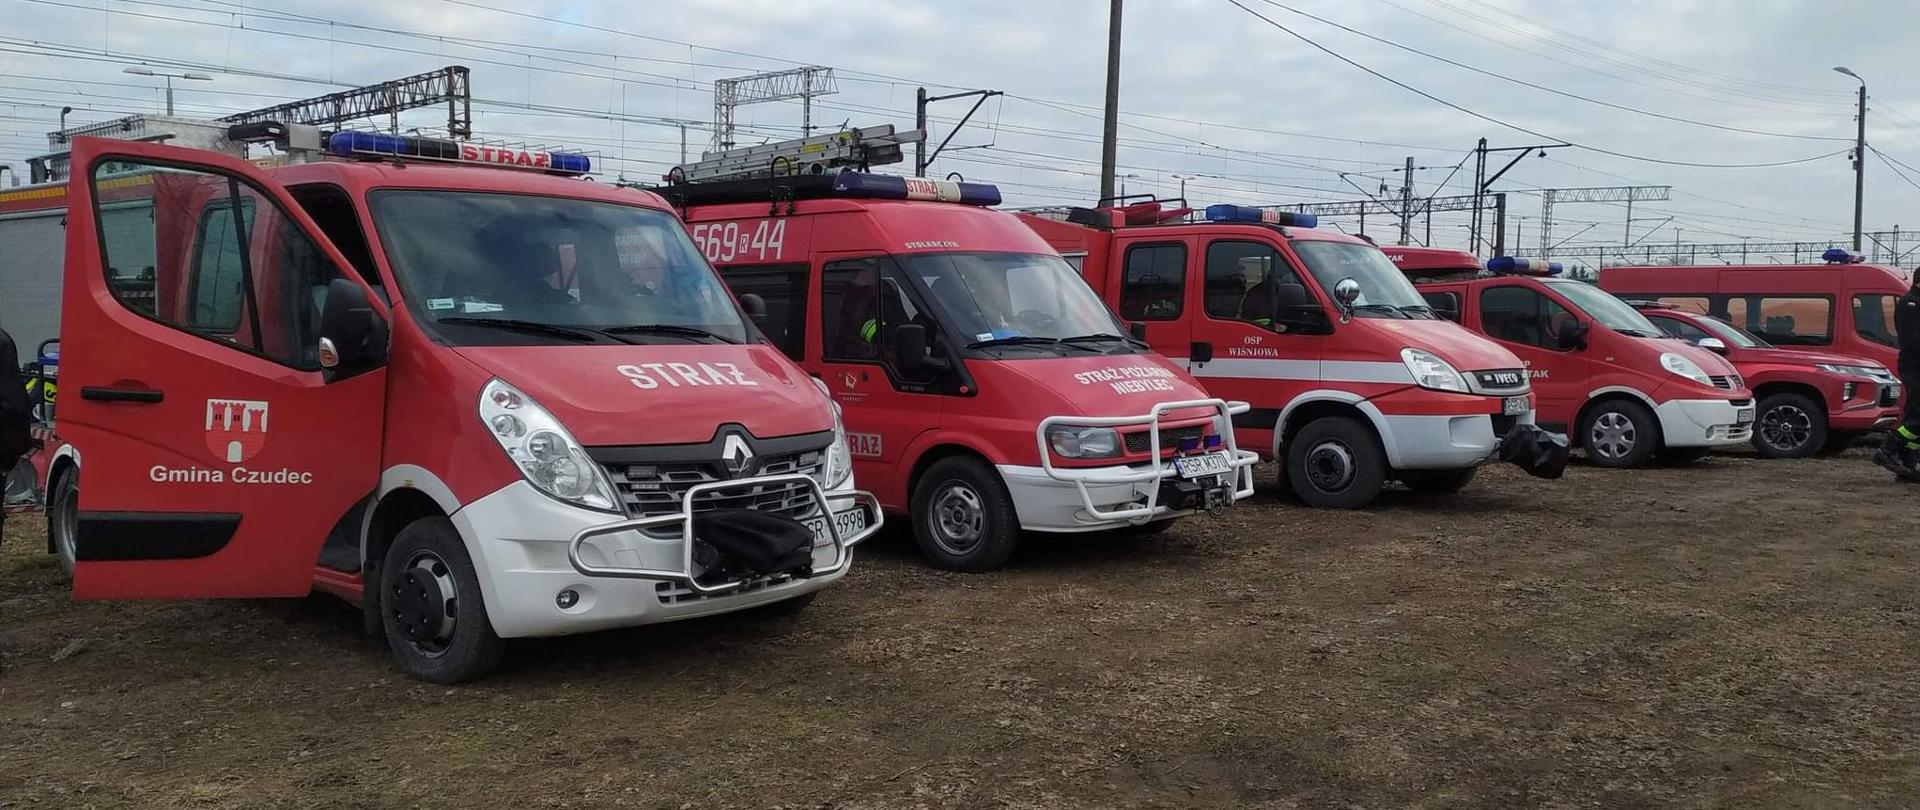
1155, 282
1679, 328
1247, 281
1873, 318
1801, 320
1521, 315
861, 303
784, 289
1445, 304
223, 260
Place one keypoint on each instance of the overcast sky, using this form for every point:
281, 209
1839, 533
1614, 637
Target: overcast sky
1249, 112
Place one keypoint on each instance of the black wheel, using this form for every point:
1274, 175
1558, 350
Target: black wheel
1789, 425
1840, 441
430, 605
1619, 433
1335, 463
1437, 482
63, 519
963, 518
1682, 455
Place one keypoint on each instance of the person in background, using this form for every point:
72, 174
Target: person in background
16, 412
1900, 453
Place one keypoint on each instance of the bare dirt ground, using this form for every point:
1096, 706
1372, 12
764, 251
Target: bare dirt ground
1740, 633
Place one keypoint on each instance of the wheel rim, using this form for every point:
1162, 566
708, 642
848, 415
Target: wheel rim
1786, 427
425, 602
1613, 435
66, 523
959, 518
1330, 466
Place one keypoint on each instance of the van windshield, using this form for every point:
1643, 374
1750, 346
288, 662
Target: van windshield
1604, 308
490, 269
1385, 292
1015, 299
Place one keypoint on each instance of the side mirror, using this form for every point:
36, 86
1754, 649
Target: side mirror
756, 308
1572, 335
353, 338
1138, 329
1345, 292
1713, 344
910, 343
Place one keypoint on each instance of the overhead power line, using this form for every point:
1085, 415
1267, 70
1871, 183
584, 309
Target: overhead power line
1516, 127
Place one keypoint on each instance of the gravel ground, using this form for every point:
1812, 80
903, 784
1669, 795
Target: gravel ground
1735, 633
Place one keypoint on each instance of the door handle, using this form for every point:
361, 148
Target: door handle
100, 393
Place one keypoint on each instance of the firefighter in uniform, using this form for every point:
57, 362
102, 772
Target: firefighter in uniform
1901, 451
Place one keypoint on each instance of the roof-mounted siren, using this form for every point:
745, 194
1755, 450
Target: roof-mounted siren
1224, 212
1511, 266
1841, 256
381, 146
894, 187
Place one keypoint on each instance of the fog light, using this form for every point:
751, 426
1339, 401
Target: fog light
567, 598
1846, 391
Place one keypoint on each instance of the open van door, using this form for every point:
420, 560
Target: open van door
225, 378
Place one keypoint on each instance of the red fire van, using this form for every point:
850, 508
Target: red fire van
1353, 380
1808, 401
1627, 389
986, 389
481, 403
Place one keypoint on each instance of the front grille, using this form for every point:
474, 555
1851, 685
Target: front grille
1141, 441
649, 489
1741, 403
1501, 379
1728, 381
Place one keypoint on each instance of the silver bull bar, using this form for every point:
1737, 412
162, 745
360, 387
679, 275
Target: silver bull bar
823, 500
1240, 462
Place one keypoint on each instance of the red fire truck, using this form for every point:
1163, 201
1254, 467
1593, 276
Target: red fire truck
1628, 390
986, 389
1809, 401
482, 403
1353, 381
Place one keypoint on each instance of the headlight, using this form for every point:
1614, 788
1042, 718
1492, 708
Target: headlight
1685, 368
544, 451
1084, 442
1870, 372
1429, 371
839, 466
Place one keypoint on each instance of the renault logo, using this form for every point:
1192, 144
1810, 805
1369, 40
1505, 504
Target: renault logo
736, 455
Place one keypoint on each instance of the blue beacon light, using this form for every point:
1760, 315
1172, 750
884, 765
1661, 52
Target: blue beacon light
1224, 212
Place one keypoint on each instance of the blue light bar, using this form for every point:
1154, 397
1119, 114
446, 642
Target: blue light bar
1511, 266
1841, 256
1223, 212
375, 145
895, 187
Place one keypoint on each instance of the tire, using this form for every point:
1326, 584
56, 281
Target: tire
963, 517
1336, 463
1789, 425
1437, 482
63, 519
427, 568
1619, 434
1682, 455
1840, 441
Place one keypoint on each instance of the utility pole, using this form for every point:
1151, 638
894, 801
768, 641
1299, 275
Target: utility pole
921, 160
1500, 225
1859, 156
1406, 203
1110, 127
1479, 177
1481, 182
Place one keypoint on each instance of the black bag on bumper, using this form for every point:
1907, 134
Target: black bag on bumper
737, 543
1541, 453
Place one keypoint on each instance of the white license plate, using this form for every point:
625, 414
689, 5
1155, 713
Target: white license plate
1743, 416
1191, 467
850, 523
1515, 406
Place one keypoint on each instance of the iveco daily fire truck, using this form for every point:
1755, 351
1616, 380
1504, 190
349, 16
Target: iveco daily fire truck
1353, 381
986, 389
448, 381
1628, 390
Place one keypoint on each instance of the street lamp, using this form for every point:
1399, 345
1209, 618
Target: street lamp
1859, 155
141, 71
1183, 178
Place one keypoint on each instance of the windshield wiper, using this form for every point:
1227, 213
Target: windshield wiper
1014, 340
523, 326
1639, 334
666, 329
1388, 308
1093, 336
1420, 309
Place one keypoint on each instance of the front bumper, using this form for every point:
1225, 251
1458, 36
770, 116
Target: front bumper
1443, 442
1079, 499
528, 547
1705, 422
